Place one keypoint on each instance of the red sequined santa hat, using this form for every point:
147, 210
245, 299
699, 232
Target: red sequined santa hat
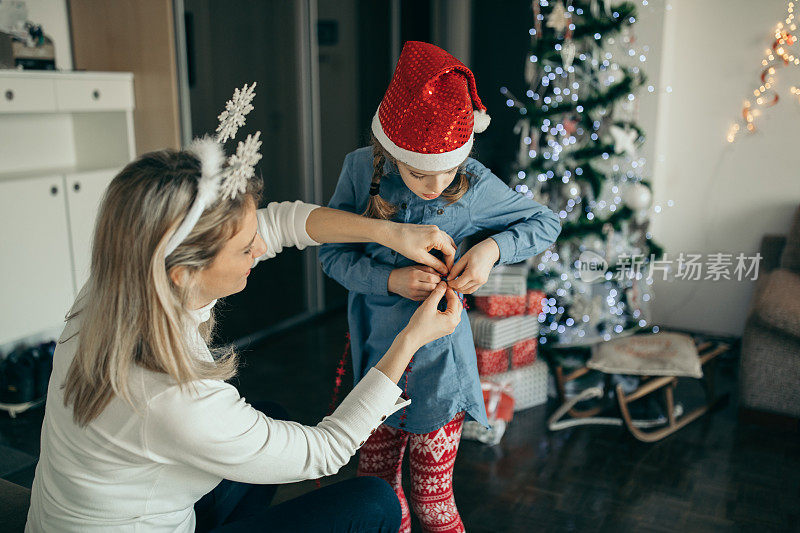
431, 110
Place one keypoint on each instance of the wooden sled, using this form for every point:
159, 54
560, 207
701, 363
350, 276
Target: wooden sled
643, 430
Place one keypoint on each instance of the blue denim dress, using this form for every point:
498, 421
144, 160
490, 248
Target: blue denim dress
444, 376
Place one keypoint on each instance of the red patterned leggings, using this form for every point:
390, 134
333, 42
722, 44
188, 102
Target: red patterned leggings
431, 460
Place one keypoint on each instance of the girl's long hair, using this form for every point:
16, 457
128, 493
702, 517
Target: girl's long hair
378, 207
130, 312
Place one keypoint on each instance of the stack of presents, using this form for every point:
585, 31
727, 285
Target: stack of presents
505, 327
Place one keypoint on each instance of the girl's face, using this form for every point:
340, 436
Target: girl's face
227, 273
426, 185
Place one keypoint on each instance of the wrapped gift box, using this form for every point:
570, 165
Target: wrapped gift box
502, 304
528, 388
529, 303
524, 353
534, 302
492, 361
513, 284
496, 361
518, 269
499, 410
496, 332
528, 384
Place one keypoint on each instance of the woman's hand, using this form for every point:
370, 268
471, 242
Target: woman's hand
428, 323
472, 270
414, 282
415, 242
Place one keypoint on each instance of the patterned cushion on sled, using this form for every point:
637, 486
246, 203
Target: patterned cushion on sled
657, 354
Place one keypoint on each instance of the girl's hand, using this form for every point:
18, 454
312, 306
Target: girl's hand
415, 242
472, 270
414, 282
428, 323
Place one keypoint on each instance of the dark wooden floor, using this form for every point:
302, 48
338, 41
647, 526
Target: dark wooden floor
714, 475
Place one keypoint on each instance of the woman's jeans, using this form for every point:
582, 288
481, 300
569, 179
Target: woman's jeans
365, 504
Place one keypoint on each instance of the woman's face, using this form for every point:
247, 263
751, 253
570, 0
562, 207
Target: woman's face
227, 273
426, 185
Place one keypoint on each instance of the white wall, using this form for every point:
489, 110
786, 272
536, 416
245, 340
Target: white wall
52, 15
727, 196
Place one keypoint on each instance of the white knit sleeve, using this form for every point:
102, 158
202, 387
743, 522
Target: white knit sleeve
283, 224
213, 429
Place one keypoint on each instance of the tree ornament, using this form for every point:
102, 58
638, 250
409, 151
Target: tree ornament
624, 140
570, 125
594, 243
559, 18
638, 196
571, 190
568, 50
530, 72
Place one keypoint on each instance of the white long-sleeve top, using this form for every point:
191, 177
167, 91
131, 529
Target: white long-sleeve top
134, 470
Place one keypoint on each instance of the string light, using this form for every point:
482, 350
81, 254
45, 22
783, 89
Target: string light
765, 95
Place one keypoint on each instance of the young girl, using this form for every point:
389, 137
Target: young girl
418, 171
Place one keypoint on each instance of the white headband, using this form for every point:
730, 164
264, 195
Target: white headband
218, 180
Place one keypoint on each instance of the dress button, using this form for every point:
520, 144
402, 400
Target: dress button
383, 418
373, 431
362, 443
440, 211
403, 205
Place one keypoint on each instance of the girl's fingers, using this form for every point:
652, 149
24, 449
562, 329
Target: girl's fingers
426, 288
431, 278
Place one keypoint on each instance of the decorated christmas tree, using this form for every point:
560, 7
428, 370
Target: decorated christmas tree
578, 154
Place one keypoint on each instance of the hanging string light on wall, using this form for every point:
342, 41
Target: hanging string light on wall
766, 94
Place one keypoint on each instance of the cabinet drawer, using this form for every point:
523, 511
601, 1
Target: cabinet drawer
93, 95
19, 95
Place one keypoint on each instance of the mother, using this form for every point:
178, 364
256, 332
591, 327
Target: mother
140, 423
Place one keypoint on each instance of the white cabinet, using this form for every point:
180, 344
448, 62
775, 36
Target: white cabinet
36, 265
63, 137
84, 192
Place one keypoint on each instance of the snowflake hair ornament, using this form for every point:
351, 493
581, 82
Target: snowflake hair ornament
221, 177
236, 109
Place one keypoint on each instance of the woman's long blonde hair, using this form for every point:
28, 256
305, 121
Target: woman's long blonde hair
378, 207
131, 312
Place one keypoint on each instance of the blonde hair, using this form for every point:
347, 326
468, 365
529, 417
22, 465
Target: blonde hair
132, 313
378, 207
